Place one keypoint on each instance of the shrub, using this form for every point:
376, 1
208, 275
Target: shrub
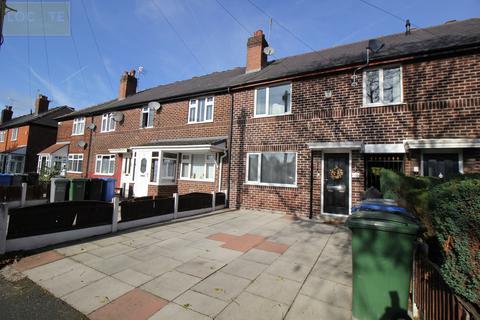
455, 214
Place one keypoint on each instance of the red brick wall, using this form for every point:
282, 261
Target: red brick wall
441, 100
64, 133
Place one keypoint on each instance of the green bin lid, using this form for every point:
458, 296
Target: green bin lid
79, 179
384, 221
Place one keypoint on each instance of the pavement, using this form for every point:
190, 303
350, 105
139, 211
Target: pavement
233, 265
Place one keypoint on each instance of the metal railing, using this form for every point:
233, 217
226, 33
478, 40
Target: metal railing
433, 299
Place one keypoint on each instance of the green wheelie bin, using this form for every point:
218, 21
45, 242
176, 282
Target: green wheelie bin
382, 255
77, 189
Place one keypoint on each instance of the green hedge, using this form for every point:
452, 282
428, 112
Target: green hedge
450, 212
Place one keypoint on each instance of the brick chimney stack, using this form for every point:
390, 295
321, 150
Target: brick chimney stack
128, 85
256, 58
41, 104
6, 115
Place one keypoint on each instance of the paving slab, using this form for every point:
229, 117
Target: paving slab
157, 266
307, 308
170, 285
175, 312
51, 270
244, 268
275, 288
261, 256
37, 260
114, 264
77, 249
249, 307
273, 246
141, 241
111, 250
200, 267
221, 254
328, 291
222, 286
132, 277
201, 303
97, 294
134, 305
109, 240
184, 254
289, 270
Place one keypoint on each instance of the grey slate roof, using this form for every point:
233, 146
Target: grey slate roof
187, 141
453, 35
44, 119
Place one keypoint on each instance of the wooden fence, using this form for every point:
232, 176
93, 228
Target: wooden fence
433, 299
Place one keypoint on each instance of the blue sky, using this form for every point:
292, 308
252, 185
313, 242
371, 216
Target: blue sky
134, 33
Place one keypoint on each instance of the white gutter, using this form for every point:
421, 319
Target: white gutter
220, 173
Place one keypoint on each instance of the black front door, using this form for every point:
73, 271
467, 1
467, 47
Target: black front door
336, 183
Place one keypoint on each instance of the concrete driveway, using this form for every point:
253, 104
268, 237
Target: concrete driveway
233, 265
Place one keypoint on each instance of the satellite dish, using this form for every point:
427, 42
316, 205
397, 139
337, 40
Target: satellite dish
268, 51
375, 45
91, 126
154, 105
81, 144
118, 116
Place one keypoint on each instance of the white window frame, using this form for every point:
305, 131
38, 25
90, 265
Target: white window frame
100, 157
71, 157
162, 172
380, 85
78, 123
14, 136
459, 152
267, 101
258, 182
193, 105
190, 167
107, 119
150, 113
2, 136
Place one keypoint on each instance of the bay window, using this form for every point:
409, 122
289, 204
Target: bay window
108, 123
273, 100
382, 86
75, 162
105, 164
169, 163
198, 167
78, 126
200, 110
272, 168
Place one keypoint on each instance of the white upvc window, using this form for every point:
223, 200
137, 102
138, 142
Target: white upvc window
198, 167
273, 100
154, 166
201, 110
105, 164
382, 86
108, 123
272, 168
16, 163
2, 136
75, 162
14, 134
146, 118
169, 166
78, 127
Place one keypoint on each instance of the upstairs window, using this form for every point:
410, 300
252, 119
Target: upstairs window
147, 115
78, 126
105, 164
2, 136
200, 110
382, 86
273, 100
14, 134
108, 123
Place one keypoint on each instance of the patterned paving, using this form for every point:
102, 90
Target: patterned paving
234, 265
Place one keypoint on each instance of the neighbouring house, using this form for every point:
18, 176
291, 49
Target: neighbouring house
308, 133
23, 137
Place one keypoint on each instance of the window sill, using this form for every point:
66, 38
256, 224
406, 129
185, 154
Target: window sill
146, 127
103, 174
195, 122
272, 115
162, 184
276, 185
80, 172
78, 134
197, 180
107, 131
383, 104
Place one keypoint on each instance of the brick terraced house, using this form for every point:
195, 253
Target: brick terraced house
23, 137
308, 134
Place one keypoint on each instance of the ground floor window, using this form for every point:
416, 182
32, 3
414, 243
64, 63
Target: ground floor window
169, 166
15, 164
154, 167
198, 166
374, 163
75, 162
105, 164
441, 165
272, 168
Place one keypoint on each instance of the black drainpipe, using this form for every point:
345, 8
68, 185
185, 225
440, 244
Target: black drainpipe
311, 185
89, 150
230, 147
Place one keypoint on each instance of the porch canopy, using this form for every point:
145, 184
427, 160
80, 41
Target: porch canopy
212, 144
57, 149
442, 143
337, 145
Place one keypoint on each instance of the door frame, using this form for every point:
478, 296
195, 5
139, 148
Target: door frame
349, 210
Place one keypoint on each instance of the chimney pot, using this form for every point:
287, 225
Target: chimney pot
41, 104
256, 58
128, 84
6, 114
